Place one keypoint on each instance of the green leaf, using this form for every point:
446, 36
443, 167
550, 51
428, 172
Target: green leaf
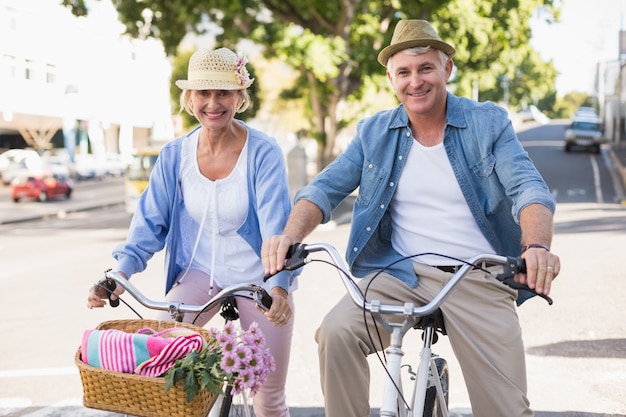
191, 386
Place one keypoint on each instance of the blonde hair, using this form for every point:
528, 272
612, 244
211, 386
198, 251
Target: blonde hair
185, 101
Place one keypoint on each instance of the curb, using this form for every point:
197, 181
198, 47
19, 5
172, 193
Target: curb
621, 170
20, 218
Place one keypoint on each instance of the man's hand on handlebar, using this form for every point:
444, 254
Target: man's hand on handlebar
274, 251
542, 267
98, 294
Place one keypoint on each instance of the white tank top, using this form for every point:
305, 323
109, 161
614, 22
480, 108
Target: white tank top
429, 212
220, 207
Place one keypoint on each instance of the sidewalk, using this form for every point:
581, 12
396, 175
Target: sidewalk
618, 157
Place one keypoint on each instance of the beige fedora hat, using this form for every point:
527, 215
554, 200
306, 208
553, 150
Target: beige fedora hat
219, 69
410, 34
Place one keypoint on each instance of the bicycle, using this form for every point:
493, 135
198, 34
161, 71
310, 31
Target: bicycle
431, 380
228, 404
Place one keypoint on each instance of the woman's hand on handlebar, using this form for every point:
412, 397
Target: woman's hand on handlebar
274, 252
280, 311
98, 294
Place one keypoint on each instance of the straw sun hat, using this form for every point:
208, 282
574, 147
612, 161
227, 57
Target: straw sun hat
410, 34
219, 69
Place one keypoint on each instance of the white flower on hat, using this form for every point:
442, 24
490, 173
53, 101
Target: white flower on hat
241, 71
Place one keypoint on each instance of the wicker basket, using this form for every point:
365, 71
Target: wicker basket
135, 394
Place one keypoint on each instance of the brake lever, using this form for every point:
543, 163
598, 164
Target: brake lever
263, 299
296, 258
507, 276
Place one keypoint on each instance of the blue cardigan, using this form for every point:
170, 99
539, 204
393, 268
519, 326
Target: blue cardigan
161, 219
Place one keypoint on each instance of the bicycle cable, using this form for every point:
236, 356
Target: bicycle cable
382, 358
111, 292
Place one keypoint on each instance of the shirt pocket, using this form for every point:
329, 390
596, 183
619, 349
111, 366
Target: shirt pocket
485, 167
372, 178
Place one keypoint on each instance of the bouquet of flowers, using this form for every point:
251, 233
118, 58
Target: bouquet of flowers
230, 357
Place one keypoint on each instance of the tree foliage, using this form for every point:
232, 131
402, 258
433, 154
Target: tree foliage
333, 45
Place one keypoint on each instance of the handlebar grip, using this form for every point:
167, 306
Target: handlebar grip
110, 286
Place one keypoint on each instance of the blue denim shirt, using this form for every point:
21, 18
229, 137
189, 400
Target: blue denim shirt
495, 174
161, 219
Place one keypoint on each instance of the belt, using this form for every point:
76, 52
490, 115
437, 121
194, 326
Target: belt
453, 268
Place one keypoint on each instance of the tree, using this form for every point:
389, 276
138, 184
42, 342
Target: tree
333, 45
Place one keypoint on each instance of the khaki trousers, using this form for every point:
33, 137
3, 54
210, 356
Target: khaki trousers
482, 326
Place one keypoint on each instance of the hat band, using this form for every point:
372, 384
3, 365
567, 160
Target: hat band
212, 76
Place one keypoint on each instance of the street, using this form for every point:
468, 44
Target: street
576, 348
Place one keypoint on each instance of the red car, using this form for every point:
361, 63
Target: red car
42, 188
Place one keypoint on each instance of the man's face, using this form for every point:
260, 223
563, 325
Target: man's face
419, 81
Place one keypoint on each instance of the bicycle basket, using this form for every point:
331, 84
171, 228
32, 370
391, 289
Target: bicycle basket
135, 394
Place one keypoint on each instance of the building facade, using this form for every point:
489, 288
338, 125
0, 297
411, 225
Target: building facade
79, 82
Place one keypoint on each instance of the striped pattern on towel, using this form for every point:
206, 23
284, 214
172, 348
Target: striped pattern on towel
145, 353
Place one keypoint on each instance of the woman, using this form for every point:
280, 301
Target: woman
215, 193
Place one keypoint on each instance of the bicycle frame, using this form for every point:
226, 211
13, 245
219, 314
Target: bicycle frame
427, 369
392, 404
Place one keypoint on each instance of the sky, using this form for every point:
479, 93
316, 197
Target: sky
587, 34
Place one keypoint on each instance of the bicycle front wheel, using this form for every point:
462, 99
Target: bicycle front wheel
432, 406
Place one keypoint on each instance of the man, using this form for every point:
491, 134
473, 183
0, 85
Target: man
437, 174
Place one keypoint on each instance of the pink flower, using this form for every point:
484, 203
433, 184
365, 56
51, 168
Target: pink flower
245, 361
241, 72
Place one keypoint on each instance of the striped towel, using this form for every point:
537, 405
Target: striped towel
146, 352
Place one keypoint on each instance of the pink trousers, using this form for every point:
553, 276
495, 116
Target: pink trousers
270, 401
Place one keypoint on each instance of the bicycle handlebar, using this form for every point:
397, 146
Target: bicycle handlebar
111, 279
298, 256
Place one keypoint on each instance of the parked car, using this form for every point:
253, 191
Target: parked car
87, 167
114, 165
533, 114
15, 162
585, 132
57, 165
586, 111
41, 187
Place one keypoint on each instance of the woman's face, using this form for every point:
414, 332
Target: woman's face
215, 109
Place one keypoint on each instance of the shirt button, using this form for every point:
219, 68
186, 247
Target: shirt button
355, 249
400, 157
382, 206
369, 229
370, 166
391, 184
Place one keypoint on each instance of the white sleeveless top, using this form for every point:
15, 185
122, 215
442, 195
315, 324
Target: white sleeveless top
220, 208
429, 212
